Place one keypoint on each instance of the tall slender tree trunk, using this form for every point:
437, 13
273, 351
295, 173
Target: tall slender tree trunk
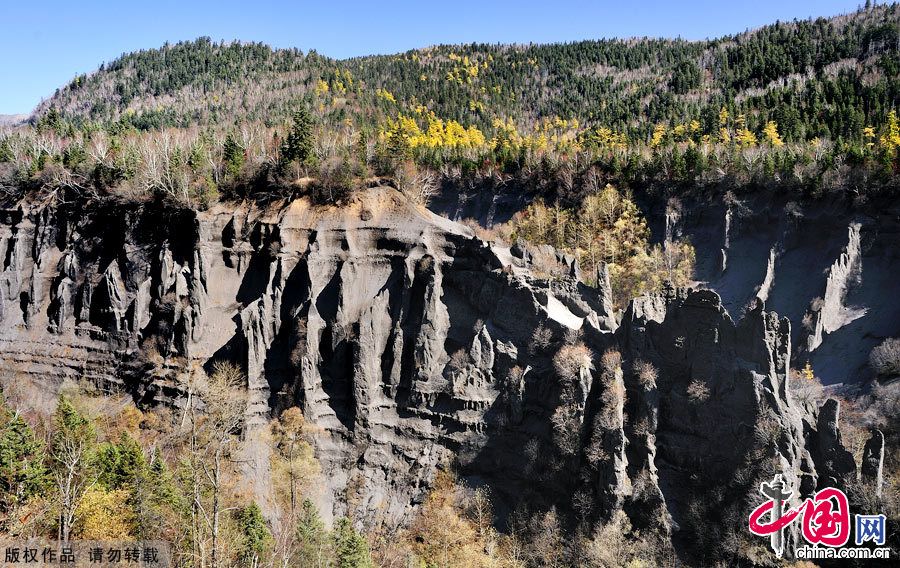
215, 523
293, 484
195, 479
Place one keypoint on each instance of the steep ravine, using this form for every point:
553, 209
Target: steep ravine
410, 344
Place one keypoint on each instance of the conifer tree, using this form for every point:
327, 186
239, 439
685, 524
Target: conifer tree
351, 548
255, 535
22, 471
232, 156
298, 146
311, 536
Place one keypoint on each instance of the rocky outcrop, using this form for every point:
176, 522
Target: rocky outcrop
823, 247
829, 313
766, 286
412, 345
834, 462
716, 381
726, 241
872, 467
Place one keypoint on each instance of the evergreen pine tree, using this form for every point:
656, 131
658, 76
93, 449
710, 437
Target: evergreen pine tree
232, 157
71, 453
22, 470
254, 533
298, 146
311, 536
351, 548
119, 464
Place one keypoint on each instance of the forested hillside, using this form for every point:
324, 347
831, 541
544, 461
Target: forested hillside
825, 77
809, 106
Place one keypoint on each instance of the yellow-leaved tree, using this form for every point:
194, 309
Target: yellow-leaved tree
104, 515
609, 229
772, 136
744, 137
455, 530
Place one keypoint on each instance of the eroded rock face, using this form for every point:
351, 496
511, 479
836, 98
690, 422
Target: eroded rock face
409, 344
831, 313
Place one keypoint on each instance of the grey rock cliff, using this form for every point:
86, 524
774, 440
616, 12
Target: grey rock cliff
830, 314
411, 345
872, 466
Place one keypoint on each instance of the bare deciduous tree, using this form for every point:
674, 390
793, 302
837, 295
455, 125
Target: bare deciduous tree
215, 414
72, 441
419, 184
885, 358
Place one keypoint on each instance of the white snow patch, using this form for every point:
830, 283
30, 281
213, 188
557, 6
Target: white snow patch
560, 313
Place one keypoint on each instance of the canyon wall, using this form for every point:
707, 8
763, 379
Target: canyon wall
412, 345
828, 265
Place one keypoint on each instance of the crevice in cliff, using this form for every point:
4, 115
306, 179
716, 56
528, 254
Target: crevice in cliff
423, 275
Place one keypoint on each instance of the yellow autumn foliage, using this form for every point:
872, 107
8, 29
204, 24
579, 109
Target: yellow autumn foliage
104, 515
605, 138
434, 132
444, 535
386, 95
608, 228
659, 133
772, 136
745, 138
890, 138
723, 117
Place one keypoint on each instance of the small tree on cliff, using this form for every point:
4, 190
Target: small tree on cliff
314, 546
298, 146
212, 441
293, 466
350, 548
232, 156
255, 537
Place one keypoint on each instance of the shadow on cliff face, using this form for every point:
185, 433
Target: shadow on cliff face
431, 349
234, 351
487, 201
92, 279
458, 355
795, 254
514, 449
680, 447
265, 242
710, 375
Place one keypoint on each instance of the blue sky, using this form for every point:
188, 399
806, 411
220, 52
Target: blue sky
44, 43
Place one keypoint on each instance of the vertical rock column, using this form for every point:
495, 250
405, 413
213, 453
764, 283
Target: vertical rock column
873, 460
832, 314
